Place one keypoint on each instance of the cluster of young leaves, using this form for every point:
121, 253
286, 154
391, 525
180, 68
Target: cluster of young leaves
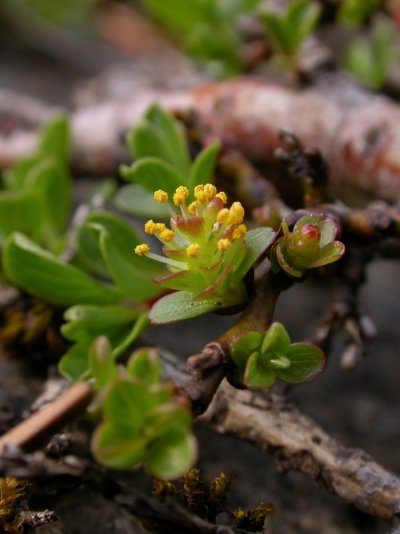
369, 59
355, 12
208, 29
311, 244
106, 287
142, 423
35, 196
262, 358
158, 145
289, 30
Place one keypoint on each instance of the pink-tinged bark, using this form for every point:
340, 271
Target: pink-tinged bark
358, 133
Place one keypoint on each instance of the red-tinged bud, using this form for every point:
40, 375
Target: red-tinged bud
190, 226
303, 245
216, 203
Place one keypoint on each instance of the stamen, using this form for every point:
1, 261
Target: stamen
160, 196
193, 250
142, 250
223, 244
239, 232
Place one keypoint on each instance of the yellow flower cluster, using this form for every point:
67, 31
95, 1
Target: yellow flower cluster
219, 226
233, 215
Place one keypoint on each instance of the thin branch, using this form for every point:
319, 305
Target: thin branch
297, 442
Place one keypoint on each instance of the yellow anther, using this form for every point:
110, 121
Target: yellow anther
160, 227
236, 213
180, 195
160, 196
223, 216
222, 196
192, 208
198, 188
239, 232
167, 235
142, 250
150, 227
210, 191
193, 250
223, 244
199, 193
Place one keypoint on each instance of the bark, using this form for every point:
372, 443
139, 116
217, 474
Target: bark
357, 132
299, 443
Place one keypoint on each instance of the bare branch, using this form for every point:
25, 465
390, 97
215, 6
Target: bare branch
299, 443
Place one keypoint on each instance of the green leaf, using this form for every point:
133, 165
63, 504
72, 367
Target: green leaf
153, 174
118, 447
330, 253
20, 211
42, 275
182, 281
172, 455
14, 178
256, 375
50, 179
159, 135
47, 179
257, 242
74, 363
133, 280
242, 349
94, 321
203, 168
302, 18
355, 12
136, 200
278, 31
276, 340
123, 236
181, 305
172, 136
160, 418
279, 251
306, 361
145, 365
55, 138
180, 15
101, 362
127, 403
369, 60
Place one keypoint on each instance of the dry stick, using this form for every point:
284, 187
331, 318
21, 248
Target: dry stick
299, 443
43, 424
